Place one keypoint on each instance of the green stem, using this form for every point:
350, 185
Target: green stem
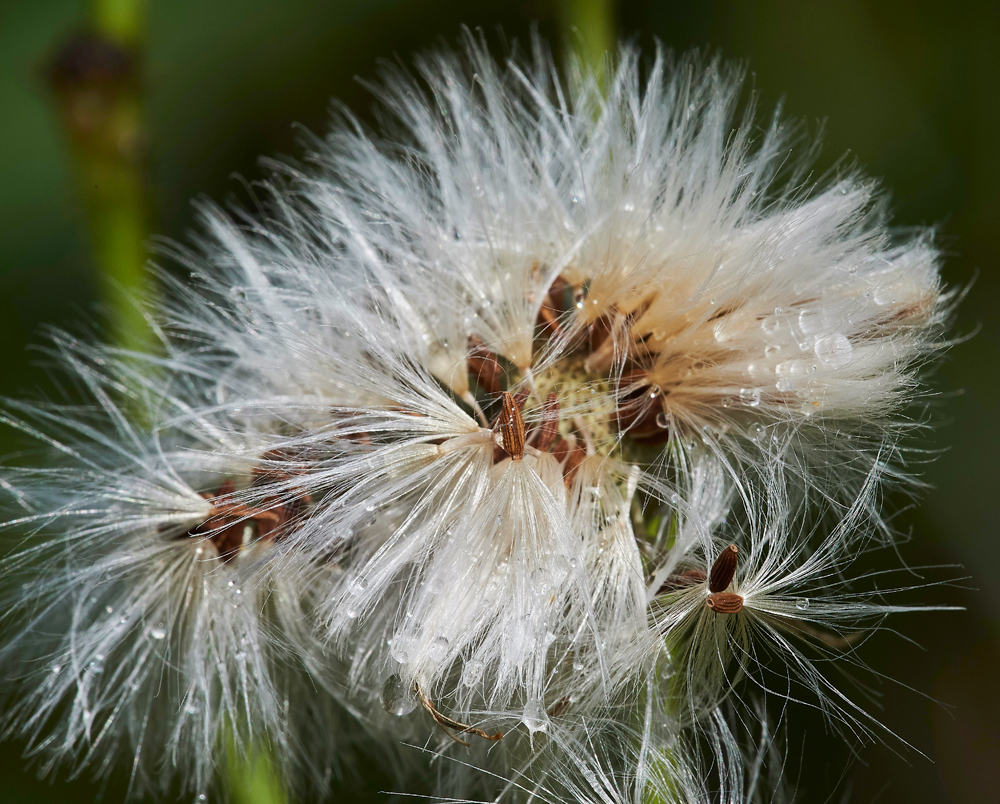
121, 21
589, 27
254, 779
96, 79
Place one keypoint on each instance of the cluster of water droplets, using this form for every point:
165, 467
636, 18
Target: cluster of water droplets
802, 343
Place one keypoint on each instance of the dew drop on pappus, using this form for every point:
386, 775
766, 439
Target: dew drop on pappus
397, 698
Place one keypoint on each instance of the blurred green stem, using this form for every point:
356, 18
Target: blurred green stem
589, 26
122, 21
96, 78
253, 779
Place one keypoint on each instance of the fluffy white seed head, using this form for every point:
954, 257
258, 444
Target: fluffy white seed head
466, 418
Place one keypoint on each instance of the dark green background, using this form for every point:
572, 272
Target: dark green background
910, 88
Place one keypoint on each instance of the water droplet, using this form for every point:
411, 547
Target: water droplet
541, 581
55, 669
473, 673
109, 609
96, 665
439, 648
810, 406
770, 324
576, 200
884, 296
756, 432
750, 396
534, 717
578, 667
785, 384
726, 401
810, 322
202, 797
158, 632
402, 647
663, 420
654, 391
772, 350
358, 585
802, 603
834, 351
397, 697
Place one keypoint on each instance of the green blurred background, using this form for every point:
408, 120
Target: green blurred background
910, 89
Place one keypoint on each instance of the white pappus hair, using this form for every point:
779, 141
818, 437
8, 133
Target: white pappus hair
460, 427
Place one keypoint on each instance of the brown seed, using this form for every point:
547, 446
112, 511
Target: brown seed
511, 427
723, 570
681, 580
570, 456
484, 367
724, 602
544, 435
558, 707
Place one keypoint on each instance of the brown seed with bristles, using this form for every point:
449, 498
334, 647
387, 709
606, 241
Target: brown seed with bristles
511, 427
724, 602
723, 570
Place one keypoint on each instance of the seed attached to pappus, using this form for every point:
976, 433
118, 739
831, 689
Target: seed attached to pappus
725, 602
511, 427
723, 570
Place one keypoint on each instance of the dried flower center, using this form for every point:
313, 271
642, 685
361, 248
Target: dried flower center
588, 399
233, 525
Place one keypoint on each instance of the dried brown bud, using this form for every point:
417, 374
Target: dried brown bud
511, 427
723, 570
724, 602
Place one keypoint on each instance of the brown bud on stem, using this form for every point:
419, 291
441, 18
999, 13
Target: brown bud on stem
723, 570
724, 602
